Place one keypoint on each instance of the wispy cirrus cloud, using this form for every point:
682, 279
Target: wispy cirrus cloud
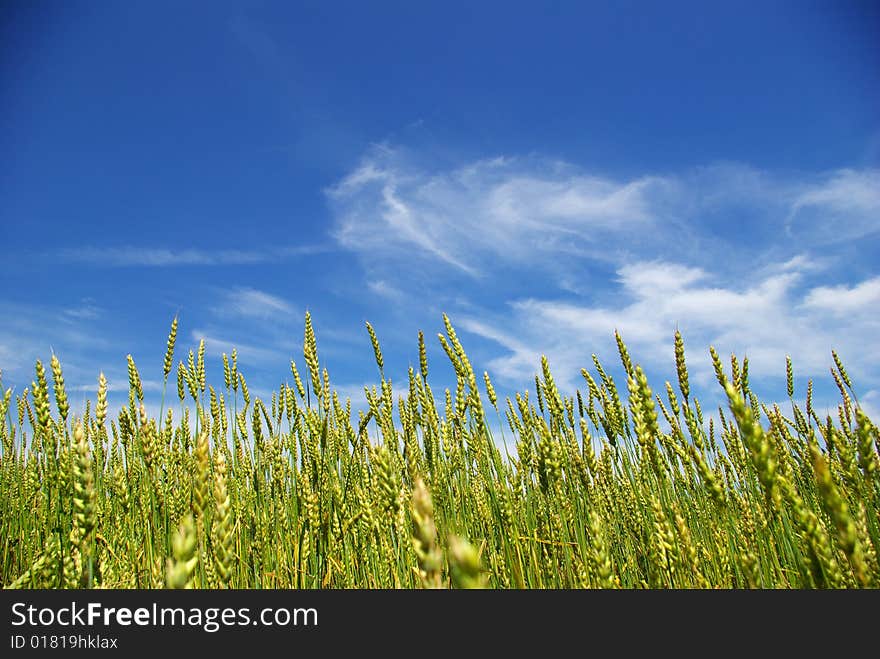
118, 385
32, 331
130, 256
248, 353
501, 208
385, 289
253, 303
548, 215
842, 205
87, 309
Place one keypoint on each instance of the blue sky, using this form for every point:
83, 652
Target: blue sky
542, 172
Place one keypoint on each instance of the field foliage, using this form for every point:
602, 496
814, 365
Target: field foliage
619, 485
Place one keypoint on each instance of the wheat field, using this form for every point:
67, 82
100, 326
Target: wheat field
617, 486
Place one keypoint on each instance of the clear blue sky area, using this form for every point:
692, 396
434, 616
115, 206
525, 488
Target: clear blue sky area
543, 172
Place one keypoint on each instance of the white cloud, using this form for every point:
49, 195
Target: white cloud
247, 354
384, 289
648, 278
86, 310
845, 190
366, 173
119, 384
512, 210
765, 321
571, 203
844, 300
549, 215
254, 303
129, 256
803, 263
843, 206
30, 332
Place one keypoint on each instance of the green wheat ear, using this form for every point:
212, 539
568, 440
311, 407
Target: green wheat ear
838, 510
681, 367
169, 351
201, 481
428, 552
223, 526
377, 351
423, 356
180, 569
60, 393
465, 567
